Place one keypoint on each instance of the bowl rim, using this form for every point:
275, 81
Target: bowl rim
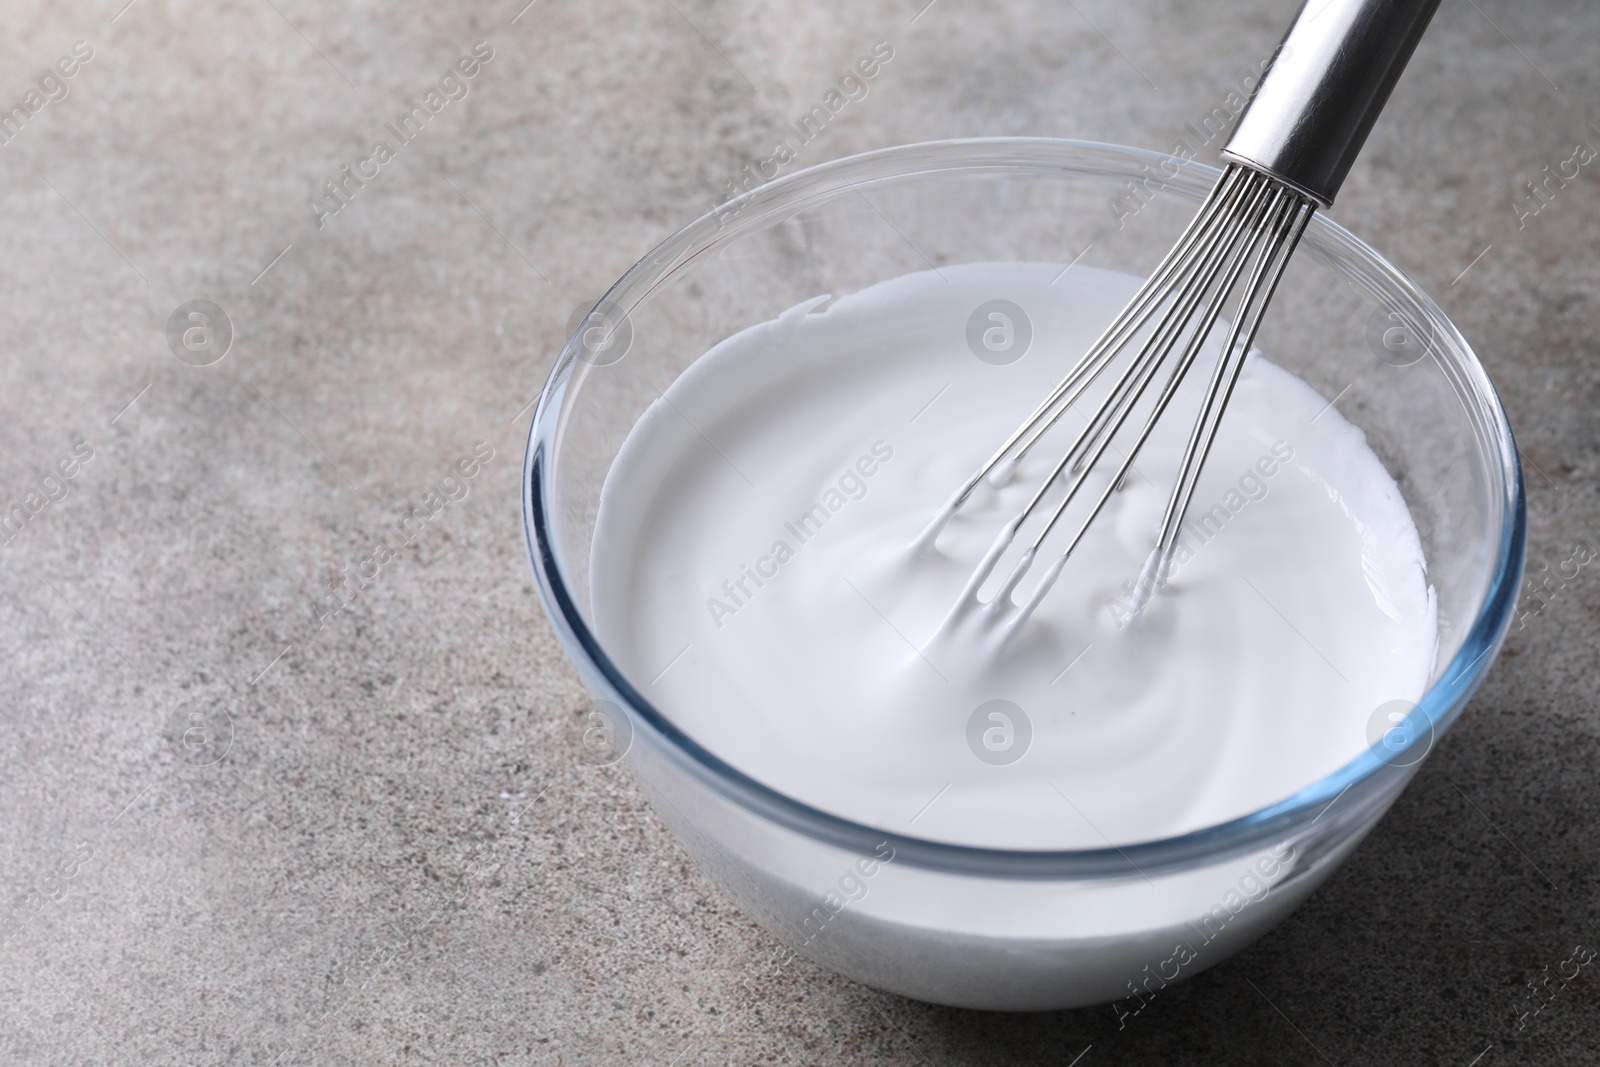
1440, 705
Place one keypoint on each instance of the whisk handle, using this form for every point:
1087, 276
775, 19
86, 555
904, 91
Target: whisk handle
1331, 76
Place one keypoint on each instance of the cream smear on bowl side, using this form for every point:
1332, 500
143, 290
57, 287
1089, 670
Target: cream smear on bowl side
752, 573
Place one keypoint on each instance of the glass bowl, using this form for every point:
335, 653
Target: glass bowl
994, 928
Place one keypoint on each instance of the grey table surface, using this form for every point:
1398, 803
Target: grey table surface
231, 834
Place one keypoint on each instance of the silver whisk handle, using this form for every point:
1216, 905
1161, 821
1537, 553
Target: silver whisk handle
1332, 74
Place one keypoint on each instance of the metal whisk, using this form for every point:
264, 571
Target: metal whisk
1294, 144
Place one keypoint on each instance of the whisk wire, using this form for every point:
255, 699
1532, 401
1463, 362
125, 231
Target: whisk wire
1133, 383
1132, 316
1204, 232
1223, 244
1248, 226
1239, 256
1258, 294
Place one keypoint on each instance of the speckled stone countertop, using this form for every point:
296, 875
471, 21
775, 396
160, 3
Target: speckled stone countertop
242, 828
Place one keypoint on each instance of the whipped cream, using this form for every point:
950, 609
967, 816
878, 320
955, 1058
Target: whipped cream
755, 572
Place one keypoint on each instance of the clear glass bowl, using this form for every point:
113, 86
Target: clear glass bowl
1001, 928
